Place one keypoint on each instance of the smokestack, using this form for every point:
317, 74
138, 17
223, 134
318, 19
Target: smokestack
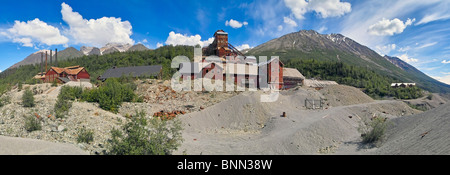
46, 61
42, 63
51, 55
56, 57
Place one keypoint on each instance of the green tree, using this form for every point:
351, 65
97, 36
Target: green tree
28, 99
142, 136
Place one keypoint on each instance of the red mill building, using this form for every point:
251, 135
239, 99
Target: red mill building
220, 47
243, 70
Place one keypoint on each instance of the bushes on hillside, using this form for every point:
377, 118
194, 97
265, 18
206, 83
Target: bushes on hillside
372, 83
142, 136
28, 99
32, 124
111, 95
4, 100
63, 103
372, 132
85, 136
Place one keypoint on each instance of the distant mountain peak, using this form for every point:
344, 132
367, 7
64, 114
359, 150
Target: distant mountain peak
138, 47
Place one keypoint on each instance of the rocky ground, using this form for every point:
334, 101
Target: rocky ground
158, 96
220, 122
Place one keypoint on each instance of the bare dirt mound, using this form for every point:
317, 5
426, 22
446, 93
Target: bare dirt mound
428, 102
341, 95
244, 125
426, 133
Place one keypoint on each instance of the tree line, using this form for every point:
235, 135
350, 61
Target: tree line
372, 83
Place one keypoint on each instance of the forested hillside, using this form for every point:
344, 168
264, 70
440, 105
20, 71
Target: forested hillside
373, 84
96, 65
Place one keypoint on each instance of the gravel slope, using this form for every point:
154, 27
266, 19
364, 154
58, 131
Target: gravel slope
244, 125
22, 146
405, 136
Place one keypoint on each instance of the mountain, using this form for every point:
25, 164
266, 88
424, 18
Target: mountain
94, 51
308, 44
69, 53
86, 50
138, 47
110, 50
33, 58
116, 46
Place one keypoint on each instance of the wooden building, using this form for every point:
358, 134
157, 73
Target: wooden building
272, 71
292, 78
63, 75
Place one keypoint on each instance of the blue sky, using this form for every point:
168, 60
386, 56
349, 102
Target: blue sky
417, 31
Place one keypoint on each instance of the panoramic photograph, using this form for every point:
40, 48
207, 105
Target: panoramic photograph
251, 77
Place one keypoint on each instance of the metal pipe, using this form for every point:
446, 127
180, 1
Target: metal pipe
46, 61
42, 63
51, 55
56, 57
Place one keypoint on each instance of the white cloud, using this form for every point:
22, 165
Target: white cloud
180, 39
324, 8
97, 32
159, 45
444, 79
445, 62
35, 31
404, 49
433, 17
427, 45
386, 49
387, 27
243, 46
407, 59
144, 41
280, 28
235, 24
322, 29
290, 22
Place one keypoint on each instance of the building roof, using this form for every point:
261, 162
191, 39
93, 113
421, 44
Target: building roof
406, 84
294, 73
73, 70
64, 79
318, 83
220, 32
133, 71
267, 62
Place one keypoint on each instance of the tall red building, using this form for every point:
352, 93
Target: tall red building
64, 75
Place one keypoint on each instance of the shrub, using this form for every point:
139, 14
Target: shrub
85, 136
142, 136
54, 83
373, 132
111, 95
28, 99
32, 124
63, 104
5, 100
70, 93
19, 86
62, 107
